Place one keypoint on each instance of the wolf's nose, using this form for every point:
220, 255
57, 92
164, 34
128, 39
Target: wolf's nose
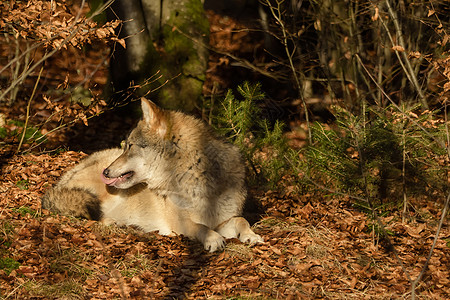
106, 172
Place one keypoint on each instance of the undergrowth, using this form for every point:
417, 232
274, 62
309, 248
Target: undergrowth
384, 155
263, 145
381, 158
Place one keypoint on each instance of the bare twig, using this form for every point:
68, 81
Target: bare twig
436, 237
45, 57
405, 63
405, 198
240, 61
28, 111
277, 13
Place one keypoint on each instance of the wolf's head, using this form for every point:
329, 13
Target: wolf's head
145, 151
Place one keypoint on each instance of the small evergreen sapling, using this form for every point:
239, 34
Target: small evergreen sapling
262, 144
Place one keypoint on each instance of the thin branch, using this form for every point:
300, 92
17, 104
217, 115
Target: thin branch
436, 237
406, 65
27, 117
278, 15
241, 61
45, 57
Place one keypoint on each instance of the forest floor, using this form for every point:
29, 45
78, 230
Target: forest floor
316, 245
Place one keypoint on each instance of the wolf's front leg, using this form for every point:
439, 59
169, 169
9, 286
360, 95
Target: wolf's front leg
238, 227
211, 240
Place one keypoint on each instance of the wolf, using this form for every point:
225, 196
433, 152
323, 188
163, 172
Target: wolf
173, 175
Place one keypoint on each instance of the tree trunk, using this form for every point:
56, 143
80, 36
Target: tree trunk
169, 36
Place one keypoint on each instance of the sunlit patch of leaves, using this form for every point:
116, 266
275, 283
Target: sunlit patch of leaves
67, 289
135, 265
70, 262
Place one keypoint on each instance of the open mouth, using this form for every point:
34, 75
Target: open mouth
114, 181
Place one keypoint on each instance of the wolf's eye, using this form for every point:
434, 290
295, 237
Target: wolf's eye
123, 144
127, 145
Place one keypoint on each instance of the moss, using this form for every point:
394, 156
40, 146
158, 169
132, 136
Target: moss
190, 19
8, 264
180, 93
182, 52
184, 23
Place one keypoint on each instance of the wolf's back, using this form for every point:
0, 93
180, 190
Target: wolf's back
75, 202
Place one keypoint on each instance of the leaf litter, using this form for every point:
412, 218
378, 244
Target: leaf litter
313, 248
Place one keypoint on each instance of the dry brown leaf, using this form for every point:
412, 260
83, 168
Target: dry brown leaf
398, 48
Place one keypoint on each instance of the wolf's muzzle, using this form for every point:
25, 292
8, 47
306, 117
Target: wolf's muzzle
112, 181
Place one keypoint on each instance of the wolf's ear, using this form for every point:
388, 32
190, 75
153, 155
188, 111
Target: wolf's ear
154, 117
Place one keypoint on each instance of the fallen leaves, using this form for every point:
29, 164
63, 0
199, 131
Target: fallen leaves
53, 24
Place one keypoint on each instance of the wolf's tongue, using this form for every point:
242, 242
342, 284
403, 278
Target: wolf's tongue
109, 181
114, 180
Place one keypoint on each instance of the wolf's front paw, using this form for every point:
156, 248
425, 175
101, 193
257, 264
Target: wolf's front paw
251, 238
214, 241
108, 221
